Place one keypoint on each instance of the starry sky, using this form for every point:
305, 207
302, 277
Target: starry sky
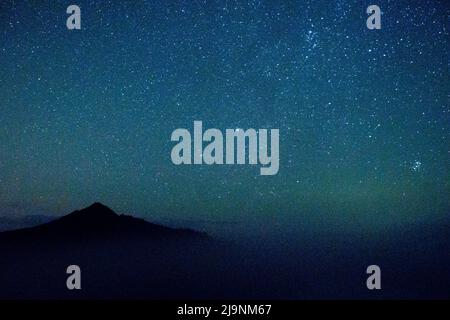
86, 115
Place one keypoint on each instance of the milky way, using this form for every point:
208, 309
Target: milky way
86, 115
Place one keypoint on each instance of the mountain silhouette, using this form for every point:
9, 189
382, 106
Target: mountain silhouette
114, 252
98, 222
122, 257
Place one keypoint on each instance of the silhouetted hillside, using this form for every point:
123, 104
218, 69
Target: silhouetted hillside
97, 222
122, 257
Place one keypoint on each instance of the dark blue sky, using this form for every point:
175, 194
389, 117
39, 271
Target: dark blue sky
363, 115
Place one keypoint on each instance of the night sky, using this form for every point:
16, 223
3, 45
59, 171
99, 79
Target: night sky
86, 115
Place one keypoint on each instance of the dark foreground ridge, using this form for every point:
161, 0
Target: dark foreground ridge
98, 222
122, 257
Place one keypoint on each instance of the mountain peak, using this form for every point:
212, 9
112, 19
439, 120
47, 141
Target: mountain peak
95, 213
100, 222
99, 207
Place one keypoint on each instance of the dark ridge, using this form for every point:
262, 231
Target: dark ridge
121, 256
99, 222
